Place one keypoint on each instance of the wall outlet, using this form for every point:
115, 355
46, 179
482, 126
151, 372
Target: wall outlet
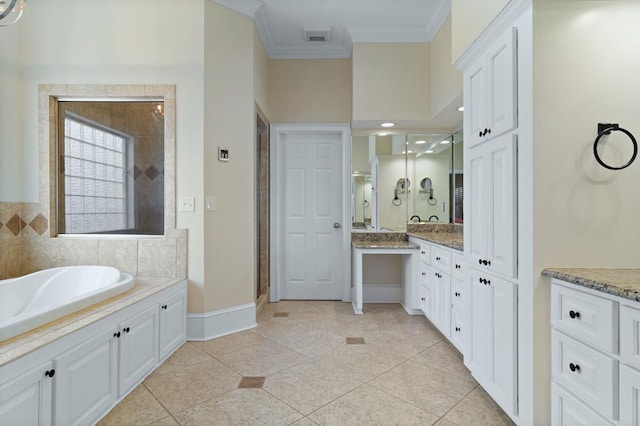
210, 203
187, 204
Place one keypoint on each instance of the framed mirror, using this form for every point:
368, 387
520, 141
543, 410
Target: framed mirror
110, 152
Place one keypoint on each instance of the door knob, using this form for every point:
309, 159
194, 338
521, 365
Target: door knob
336, 225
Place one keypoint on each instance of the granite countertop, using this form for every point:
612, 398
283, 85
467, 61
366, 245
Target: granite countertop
22, 344
454, 240
621, 282
383, 245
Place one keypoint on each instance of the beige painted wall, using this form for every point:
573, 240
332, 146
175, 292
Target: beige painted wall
229, 253
445, 80
391, 81
260, 72
469, 19
54, 48
309, 90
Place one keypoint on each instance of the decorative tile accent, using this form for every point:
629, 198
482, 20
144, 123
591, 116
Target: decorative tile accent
281, 314
1, 224
249, 382
15, 224
136, 172
152, 172
39, 224
355, 340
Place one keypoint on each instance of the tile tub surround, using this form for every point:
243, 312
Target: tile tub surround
332, 382
18, 346
25, 247
621, 282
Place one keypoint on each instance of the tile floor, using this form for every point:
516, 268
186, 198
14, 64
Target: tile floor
318, 365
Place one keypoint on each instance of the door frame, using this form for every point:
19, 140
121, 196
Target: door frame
278, 131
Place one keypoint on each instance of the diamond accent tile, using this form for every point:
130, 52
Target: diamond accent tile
248, 382
136, 172
15, 224
1, 224
39, 224
355, 340
281, 314
152, 172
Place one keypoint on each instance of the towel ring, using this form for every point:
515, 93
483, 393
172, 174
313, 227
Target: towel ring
606, 131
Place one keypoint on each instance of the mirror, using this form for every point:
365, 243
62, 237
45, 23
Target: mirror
436, 162
110, 167
413, 177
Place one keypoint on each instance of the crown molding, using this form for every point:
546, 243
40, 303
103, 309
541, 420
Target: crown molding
245, 7
399, 34
438, 19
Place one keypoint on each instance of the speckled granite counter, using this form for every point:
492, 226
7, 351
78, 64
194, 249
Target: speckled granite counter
618, 282
383, 245
22, 344
453, 240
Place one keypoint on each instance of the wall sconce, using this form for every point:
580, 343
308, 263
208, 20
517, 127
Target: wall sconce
11, 11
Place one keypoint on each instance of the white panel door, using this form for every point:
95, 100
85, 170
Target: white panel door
503, 84
26, 400
173, 323
138, 352
477, 199
476, 105
311, 211
629, 396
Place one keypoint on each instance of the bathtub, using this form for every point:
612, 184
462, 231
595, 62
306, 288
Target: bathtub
36, 299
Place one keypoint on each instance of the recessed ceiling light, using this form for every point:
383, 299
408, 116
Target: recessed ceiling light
429, 151
461, 109
388, 124
383, 134
420, 142
444, 142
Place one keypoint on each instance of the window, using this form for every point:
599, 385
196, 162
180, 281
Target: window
96, 184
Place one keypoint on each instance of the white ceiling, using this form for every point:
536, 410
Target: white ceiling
280, 23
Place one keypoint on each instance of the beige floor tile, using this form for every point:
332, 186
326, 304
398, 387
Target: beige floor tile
179, 387
240, 407
443, 422
308, 386
304, 338
360, 361
167, 421
368, 406
400, 343
304, 422
138, 408
478, 408
231, 343
187, 355
262, 360
443, 356
425, 387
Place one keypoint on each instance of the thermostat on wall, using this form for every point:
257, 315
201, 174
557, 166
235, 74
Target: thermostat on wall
223, 154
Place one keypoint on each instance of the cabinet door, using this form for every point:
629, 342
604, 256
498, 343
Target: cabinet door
493, 344
476, 238
138, 352
173, 323
629, 396
435, 297
502, 83
567, 410
475, 109
457, 329
630, 328
444, 282
85, 382
503, 186
26, 400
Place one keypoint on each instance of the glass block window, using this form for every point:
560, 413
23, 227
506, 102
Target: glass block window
95, 177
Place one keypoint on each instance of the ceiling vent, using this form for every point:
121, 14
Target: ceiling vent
316, 34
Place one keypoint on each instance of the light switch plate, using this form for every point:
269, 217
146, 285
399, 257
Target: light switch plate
187, 204
210, 203
223, 153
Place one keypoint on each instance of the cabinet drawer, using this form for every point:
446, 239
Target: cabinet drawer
630, 329
588, 318
441, 259
457, 265
458, 295
587, 373
567, 410
425, 253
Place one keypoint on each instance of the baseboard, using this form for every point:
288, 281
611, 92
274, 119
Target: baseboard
383, 293
209, 325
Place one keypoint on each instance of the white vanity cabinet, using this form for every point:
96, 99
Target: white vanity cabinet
595, 371
490, 88
491, 347
78, 378
26, 398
